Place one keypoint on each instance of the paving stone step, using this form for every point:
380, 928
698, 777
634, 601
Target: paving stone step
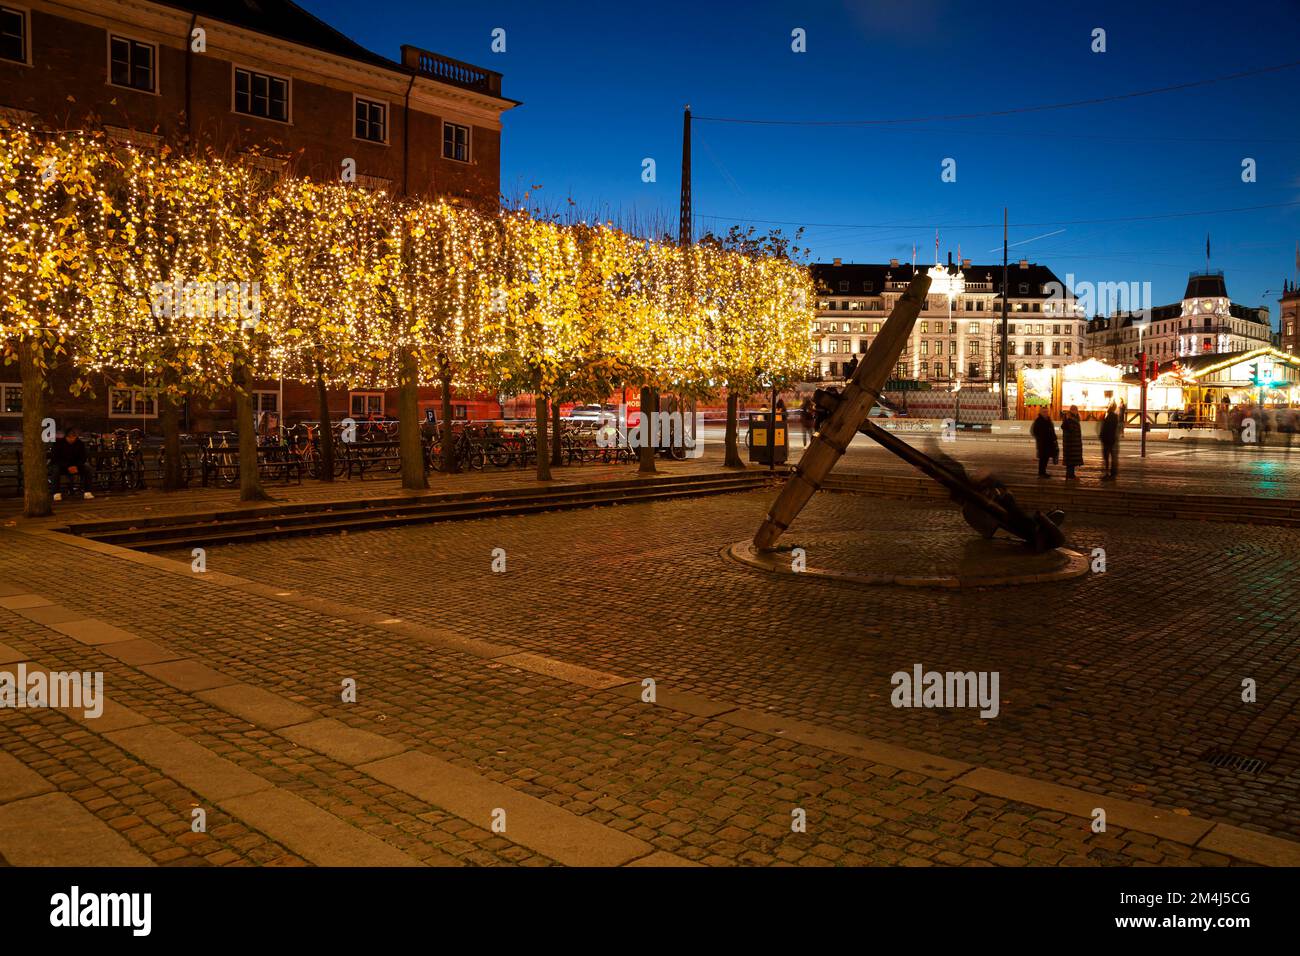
244, 530
346, 505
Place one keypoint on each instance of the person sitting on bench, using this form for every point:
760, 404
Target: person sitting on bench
70, 463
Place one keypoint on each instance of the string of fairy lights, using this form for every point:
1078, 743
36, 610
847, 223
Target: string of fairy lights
170, 271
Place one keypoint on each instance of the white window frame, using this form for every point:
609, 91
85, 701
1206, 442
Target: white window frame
109, 36
137, 400
259, 394
388, 115
288, 97
367, 394
26, 14
469, 142
4, 387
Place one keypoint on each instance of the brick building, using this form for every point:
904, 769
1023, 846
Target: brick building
263, 82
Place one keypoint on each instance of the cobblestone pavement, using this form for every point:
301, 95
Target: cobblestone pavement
1116, 685
1119, 683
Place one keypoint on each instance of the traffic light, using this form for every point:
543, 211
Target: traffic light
1254, 373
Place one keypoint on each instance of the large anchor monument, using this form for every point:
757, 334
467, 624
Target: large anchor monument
987, 506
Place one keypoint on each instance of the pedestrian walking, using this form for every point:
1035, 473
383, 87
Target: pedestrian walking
1110, 444
807, 415
1072, 439
1045, 443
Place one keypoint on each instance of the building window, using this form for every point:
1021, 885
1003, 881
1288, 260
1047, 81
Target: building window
262, 95
952, 328
13, 34
365, 404
974, 328
972, 348
925, 369
844, 285
371, 121
132, 403
925, 347
11, 399
867, 287
455, 142
1024, 288
131, 63
900, 370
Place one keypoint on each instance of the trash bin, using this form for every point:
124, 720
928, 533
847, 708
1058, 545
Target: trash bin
767, 439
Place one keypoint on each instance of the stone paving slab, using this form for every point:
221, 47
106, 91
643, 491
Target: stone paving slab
16, 602
11, 655
52, 614
54, 830
573, 673
140, 651
187, 675
535, 823
345, 744
1125, 813
257, 706
192, 764
318, 836
92, 631
17, 782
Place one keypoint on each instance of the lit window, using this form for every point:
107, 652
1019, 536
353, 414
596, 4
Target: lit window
11, 399
132, 403
365, 404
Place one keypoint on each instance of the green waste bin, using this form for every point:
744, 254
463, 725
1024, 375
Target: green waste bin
767, 438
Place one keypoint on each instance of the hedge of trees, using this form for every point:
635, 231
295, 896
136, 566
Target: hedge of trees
193, 275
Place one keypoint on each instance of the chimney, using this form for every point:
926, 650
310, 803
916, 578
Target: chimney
949, 258
1024, 263
965, 263
838, 261
893, 263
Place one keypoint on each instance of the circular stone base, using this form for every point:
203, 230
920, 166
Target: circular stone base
930, 558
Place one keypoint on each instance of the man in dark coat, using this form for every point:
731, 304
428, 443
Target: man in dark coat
1045, 443
1109, 435
1072, 437
69, 460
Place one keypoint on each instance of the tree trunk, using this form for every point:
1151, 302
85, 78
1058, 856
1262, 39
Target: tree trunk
250, 483
645, 428
169, 417
556, 451
408, 424
37, 502
448, 435
543, 446
733, 459
325, 433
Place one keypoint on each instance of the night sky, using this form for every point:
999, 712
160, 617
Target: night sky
603, 87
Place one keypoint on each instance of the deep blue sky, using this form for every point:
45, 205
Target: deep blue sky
603, 86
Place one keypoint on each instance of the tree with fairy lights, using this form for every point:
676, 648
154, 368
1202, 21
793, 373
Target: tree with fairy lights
51, 229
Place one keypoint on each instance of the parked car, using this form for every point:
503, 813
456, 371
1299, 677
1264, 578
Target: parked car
585, 413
